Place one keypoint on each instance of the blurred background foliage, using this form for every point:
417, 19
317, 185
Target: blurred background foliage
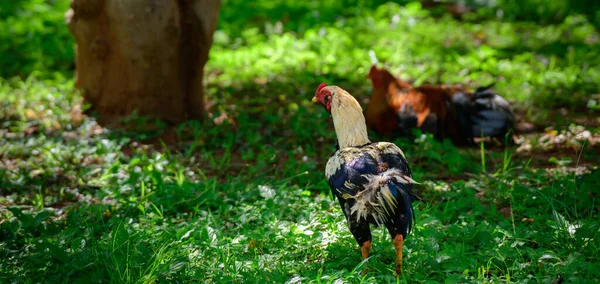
33, 36
552, 44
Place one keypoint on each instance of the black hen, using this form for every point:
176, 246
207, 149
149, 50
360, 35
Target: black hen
483, 113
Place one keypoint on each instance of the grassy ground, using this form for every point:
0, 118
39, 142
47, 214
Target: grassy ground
241, 197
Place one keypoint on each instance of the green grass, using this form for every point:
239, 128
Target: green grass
556, 63
246, 200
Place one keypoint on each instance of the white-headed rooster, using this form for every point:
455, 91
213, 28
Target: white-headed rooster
372, 181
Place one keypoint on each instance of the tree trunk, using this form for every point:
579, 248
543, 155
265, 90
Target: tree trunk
142, 56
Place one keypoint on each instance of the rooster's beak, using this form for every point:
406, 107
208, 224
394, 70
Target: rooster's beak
314, 99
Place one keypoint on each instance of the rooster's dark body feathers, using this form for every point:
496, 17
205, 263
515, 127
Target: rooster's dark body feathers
373, 185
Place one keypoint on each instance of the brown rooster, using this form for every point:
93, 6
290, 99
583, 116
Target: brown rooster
396, 106
446, 111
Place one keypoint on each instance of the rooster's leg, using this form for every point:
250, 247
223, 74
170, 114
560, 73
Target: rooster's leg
364, 252
362, 235
364, 249
398, 244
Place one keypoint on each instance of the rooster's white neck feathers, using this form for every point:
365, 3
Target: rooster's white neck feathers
348, 120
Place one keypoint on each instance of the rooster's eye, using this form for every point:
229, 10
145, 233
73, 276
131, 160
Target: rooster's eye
326, 98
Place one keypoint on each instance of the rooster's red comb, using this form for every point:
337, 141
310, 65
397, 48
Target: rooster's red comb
321, 86
373, 70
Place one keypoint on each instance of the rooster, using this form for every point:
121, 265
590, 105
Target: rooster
396, 107
372, 181
446, 111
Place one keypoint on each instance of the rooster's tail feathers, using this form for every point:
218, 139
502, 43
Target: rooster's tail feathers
383, 194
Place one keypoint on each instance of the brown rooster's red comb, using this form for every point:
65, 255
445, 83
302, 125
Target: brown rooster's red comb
321, 86
373, 70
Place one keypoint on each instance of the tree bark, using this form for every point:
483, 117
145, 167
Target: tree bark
142, 56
